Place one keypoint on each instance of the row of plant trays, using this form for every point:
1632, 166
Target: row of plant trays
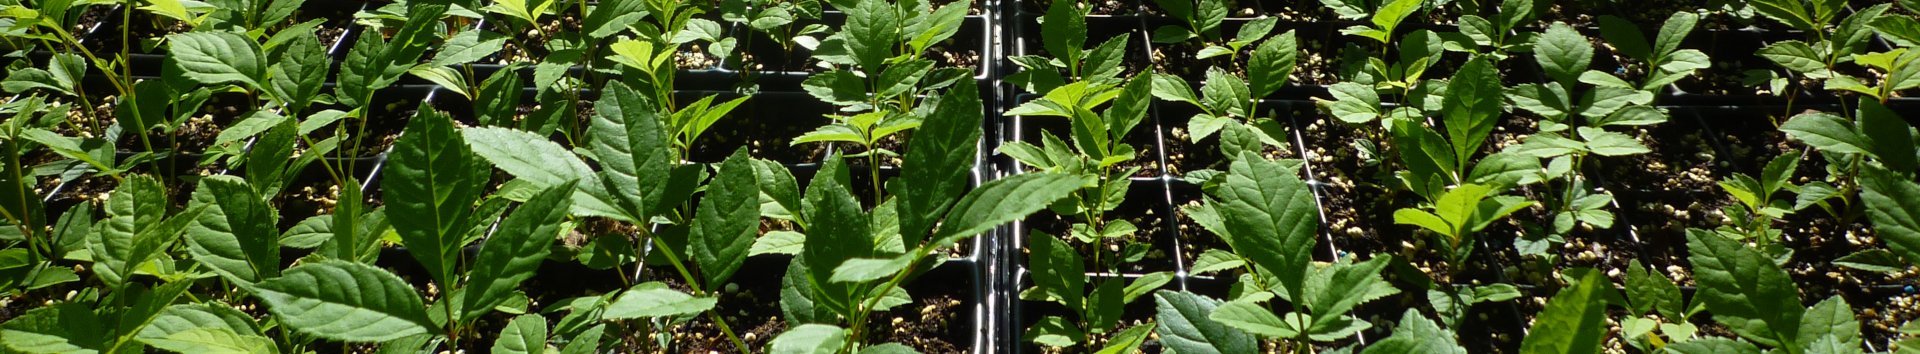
958, 285
994, 270
1321, 40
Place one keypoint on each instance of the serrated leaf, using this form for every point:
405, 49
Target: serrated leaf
1831, 318
1562, 52
838, 229
1714, 345
1002, 201
1744, 290
1186, 328
1253, 318
1794, 55
430, 189
515, 249
349, 302
1893, 204
213, 341
938, 161
655, 299
1471, 107
235, 235
69, 327
1574, 320
1606, 143
298, 72
525, 334
212, 58
632, 147
1056, 270
1272, 62
1270, 213
534, 158
468, 46
810, 338
727, 221
184, 317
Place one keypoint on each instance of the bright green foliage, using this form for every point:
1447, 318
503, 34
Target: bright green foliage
515, 249
1575, 319
1385, 20
430, 188
1186, 328
345, 301
235, 234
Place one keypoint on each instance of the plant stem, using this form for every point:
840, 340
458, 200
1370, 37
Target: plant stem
694, 283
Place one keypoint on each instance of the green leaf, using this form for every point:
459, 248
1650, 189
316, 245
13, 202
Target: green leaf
1056, 269
1129, 340
1831, 318
1214, 260
1714, 345
135, 230
1575, 320
430, 189
1353, 103
236, 234
727, 221
1891, 136
809, 339
1789, 12
1794, 55
1416, 335
1744, 290
343, 301
468, 46
1827, 132
1902, 30
1389, 15
1562, 52
1064, 31
632, 146
511, 255
1251, 317
1272, 62
1606, 143
1002, 201
870, 32
66, 328
1625, 37
1186, 328
838, 229
1893, 204
533, 158
1271, 214
869, 269
298, 72
445, 77
1471, 107
654, 299
1649, 290
613, 16
1872, 260
214, 341
1349, 285
778, 242
212, 58
525, 334
184, 317
938, 161
1054, 331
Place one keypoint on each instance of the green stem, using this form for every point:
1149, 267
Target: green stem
698, 290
